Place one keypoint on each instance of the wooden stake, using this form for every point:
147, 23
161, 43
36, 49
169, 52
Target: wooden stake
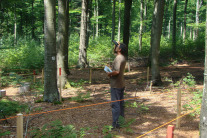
128, 66
42, 76
150, 86
178, 107
0, 78
147, 76
90, 76
20, 125
60, 85
34, 76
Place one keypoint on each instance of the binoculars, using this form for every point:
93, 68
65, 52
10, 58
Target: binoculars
116, 44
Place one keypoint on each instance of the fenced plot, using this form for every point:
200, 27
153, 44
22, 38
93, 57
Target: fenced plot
149, 111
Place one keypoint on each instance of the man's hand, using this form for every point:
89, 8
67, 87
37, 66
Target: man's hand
113, 73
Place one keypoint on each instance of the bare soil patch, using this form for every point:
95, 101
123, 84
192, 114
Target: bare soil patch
161, 103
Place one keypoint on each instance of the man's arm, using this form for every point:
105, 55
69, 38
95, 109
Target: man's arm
113, 73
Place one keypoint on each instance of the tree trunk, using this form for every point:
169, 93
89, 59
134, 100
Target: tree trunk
197, 19
33, 21
198, 6
97, 14
203, 115
174, 28
15, 25
50, 64
141, 25
62, 41
119, 24
145, 14
67, 38
83, 36
155, 40
113, 20
169, 29
127, 22
185, 15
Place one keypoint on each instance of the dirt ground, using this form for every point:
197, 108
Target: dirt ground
155, 107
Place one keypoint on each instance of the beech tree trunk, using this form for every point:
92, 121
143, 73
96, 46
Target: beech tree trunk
141, 25
97, 14
198, 6
83, 36
174, 28
50, 64
127, 22
203, 115
119, 24
155, 40
113, 20
62, 41
185, 15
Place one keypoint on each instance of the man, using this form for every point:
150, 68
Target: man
117, 83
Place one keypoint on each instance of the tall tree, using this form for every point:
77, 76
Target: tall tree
50, 65
62, 40
119, 23
198, 6
127, 22
155, 40
141, 25
185, 16
174, 28
82, 62
97, 14
203, 115
113, 20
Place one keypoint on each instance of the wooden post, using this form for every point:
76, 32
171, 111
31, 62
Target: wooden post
128, 66
0, 78
170, 130
42, 76
34, 76
90, 79
178, 107
60, 84
150, 86
20, 125
147, 76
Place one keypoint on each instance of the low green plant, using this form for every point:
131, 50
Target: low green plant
4, 133
107, 131
126, 124
81, 97
194, 103
189, 80
140, 106
9, 107
55, 129
79, 83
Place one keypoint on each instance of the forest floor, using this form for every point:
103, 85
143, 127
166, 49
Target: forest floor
149, 109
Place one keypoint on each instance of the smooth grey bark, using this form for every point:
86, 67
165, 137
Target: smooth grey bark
155, 40
203, 115
62, 41
50, 64
82, 62
141, 25
198, 6
113, 20
127, 22
97, 14
119, 23
174, 28
15, 25
185, 16
169, 29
